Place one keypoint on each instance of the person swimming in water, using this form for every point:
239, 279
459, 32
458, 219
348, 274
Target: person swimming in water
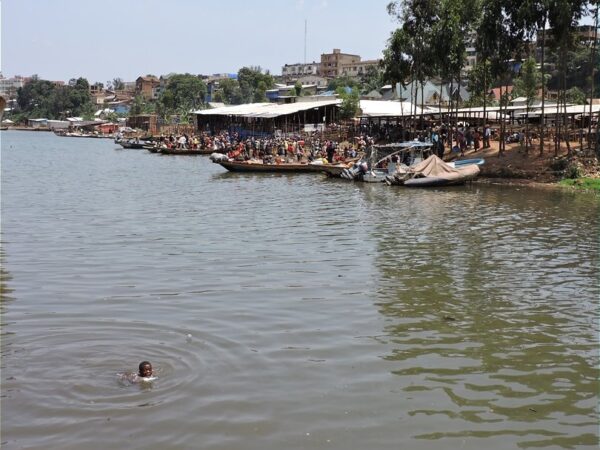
145, 369
144, 374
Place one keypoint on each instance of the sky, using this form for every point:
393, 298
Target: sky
108, 39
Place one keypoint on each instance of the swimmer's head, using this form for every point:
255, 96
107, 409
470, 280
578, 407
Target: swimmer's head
145, 369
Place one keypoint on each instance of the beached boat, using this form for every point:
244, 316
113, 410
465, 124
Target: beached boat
259, 165
434, 172
255, 166
381, 161
183, 151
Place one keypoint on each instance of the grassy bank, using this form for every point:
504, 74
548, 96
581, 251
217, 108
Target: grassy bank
588, 184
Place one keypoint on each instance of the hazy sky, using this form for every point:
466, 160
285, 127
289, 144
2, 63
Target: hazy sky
102, 40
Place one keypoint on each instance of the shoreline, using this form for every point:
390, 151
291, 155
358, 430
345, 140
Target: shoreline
514, 166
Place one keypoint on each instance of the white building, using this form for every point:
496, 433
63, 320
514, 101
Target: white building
9, 86
294, 71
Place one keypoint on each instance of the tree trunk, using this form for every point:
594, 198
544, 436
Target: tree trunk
543, 116
557, 126
592, 67
527, 129
422, 103
566, 124
451, 111
501, 119
484, 94
440, 100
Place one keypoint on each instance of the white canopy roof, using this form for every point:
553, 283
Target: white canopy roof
265, 110
574, 109
384, 108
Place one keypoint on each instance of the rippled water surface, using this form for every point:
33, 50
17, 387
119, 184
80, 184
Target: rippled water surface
288, 311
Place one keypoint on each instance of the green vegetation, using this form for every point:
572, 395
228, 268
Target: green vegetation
182, 93
430, 42
350, 102
588, 184
42, 98
250, 87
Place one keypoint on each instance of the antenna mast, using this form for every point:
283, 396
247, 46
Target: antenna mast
305, 41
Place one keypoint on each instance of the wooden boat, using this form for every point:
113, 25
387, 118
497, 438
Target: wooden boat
331, 170
133, 144
183, 151
255, 166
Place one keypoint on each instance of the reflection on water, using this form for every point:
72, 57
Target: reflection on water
284, 311
482, 310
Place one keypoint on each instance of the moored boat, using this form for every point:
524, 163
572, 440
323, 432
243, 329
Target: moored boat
434, 172
184, 151
260, 165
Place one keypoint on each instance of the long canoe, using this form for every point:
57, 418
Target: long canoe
244, 166
182, 151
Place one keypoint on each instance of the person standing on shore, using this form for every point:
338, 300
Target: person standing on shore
486, 137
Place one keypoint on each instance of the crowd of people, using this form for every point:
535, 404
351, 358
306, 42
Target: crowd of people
311, 146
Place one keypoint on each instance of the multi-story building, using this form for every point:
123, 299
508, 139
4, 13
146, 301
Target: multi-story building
147, 87
358, 69
9, 86
332, 63
291, 72
471, 51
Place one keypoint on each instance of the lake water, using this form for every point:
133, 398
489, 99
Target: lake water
289, 311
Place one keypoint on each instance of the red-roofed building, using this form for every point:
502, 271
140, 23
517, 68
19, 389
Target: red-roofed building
496, 93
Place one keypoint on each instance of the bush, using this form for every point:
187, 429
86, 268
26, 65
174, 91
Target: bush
573, 171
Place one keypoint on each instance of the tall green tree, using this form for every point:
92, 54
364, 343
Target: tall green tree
184, 91
253, 83
501, 39
42, 98
230, 91
371, 80
417, 19
564, 17
477, 84
532, 16
527, 85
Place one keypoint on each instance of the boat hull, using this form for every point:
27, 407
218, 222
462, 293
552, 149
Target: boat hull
242, 166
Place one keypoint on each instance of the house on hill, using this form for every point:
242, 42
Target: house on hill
147, 87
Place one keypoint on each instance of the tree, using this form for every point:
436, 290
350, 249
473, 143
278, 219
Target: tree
183, 92
343, 81
478, 84
42, 98
350, 102
575, 95
118, 84
564, 16
137, 107
371, 80
230, 91
253, 83
260, 93
527, 85
500, 39
298, 89
417, 19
